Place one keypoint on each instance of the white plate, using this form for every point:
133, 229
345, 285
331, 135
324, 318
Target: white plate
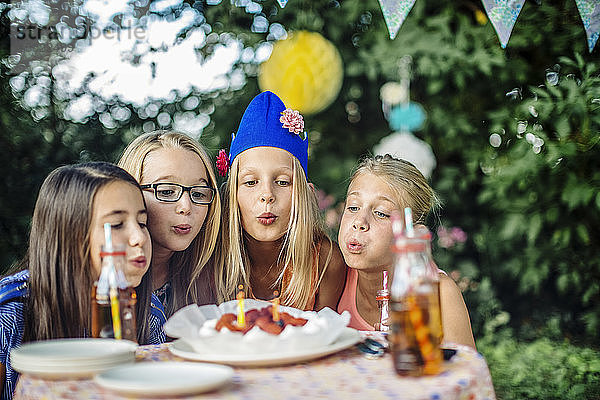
59, 350
165, 378
71, 358
348, 337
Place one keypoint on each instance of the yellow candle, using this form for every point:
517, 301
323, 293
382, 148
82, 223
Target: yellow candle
276, 307
241, 317
114, 310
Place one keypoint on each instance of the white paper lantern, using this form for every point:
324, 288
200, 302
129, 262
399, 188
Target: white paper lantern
406, 146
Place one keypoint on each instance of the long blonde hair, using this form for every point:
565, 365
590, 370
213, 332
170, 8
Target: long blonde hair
187, 265
305, 232
405, 180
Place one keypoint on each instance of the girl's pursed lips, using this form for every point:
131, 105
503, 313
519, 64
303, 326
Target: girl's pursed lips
354, 246
139, 262
266, 218
182, 228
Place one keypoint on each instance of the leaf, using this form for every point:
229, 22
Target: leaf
583, 234
577, 193
593, 290
512, 226
535, 225
552, 215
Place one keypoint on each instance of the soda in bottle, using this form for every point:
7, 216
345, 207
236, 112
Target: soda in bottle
415, 312
113, 299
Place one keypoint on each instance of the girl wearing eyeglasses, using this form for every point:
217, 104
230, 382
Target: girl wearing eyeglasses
184, 213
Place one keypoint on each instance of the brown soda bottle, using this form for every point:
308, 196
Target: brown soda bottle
422, 233
414, 306
113, 300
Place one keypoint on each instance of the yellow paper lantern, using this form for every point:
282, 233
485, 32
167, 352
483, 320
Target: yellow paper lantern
305, 71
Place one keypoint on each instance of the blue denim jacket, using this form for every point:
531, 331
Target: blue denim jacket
13, 293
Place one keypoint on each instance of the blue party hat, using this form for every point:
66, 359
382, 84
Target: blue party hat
268, 123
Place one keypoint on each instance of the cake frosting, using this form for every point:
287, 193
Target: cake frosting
197, 325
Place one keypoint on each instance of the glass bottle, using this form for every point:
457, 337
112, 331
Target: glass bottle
415, 312
383, 304
127, 302
422, 233
383, 298
113, 299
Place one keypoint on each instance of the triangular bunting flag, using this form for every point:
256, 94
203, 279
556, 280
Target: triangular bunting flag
282, 3
503, 14
590, 15
394, 13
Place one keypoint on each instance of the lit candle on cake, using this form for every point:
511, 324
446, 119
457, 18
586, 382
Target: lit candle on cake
276, 306
241, 317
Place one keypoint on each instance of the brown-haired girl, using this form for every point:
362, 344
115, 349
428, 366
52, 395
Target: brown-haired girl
50, 297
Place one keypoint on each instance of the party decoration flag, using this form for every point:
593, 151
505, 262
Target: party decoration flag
394, 13
282, 3
503, 14
590, 15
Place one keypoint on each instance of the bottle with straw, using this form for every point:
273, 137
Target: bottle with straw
414, 338
106, 315
383, 297
423, 234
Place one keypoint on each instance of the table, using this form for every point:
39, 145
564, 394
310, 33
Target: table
347, 374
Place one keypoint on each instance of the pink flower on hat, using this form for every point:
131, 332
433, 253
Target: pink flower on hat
222, 163
292, 121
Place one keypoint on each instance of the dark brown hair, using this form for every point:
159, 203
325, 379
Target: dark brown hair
58, 258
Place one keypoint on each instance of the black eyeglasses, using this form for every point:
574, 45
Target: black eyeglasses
172, 192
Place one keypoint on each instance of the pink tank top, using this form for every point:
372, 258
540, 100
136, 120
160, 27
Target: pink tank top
348, 303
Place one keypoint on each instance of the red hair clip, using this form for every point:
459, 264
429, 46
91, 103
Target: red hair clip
222, 163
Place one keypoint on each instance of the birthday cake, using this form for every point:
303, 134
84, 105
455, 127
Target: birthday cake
217, 329
269, 319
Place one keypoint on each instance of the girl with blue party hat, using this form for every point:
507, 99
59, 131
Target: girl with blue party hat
272, 236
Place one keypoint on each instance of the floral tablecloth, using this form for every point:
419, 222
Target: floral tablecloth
347, 374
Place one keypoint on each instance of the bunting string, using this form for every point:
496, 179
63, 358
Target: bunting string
502, 14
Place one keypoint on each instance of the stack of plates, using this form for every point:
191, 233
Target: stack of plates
71, 358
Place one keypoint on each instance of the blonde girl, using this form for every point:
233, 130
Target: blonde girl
273, 240
379, 186
184, 213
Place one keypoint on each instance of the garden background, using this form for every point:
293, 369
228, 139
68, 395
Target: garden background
514, 131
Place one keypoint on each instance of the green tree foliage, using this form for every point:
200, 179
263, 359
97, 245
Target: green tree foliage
542, 186
542, 369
